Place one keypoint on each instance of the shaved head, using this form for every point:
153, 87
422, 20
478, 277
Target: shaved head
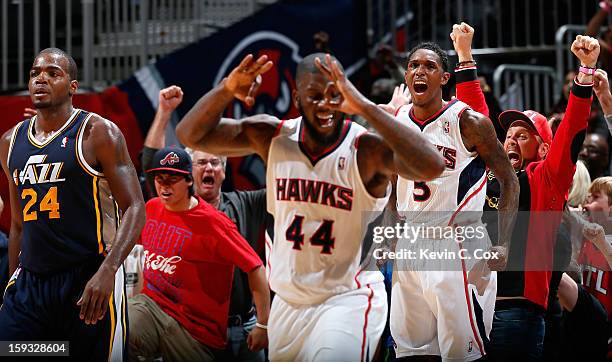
72, 67
307, 65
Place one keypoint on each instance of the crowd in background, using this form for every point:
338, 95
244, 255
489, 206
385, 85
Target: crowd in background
591, 190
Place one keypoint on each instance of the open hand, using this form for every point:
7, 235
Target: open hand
245, 79
401, 97
257, 339
96, 295
29, 112
349, 100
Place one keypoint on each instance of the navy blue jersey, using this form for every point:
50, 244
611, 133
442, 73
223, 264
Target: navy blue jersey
68, 213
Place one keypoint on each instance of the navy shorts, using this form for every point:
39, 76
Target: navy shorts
43, 308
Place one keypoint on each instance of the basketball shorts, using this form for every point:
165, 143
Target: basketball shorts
440, 313
346, 327
44, 308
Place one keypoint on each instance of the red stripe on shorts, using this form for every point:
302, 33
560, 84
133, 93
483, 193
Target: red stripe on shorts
365, 325
469, 305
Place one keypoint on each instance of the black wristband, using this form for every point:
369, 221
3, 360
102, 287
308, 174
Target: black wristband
582, 90
466, 75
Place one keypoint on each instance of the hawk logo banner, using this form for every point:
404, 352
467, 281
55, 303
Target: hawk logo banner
274, 94
170, 159
284, 33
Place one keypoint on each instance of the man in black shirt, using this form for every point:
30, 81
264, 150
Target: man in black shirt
545, 170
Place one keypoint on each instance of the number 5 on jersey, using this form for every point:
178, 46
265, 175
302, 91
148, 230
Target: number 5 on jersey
424, 191
322, 237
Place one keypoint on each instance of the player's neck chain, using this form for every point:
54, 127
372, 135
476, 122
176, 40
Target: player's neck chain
493, 202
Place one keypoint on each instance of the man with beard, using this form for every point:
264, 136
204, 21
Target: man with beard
436, 308
323, 176
545, 171
247, 209
69, 173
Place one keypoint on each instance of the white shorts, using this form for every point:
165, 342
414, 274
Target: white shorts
346, 327
439, 313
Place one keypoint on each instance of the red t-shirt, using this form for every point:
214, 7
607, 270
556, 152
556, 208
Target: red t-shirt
188, 267
596, 277
596, 274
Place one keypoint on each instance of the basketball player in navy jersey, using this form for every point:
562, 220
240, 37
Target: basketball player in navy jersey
323, 174
70, 177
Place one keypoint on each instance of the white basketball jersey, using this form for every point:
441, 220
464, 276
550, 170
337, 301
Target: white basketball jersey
321, 210
462, 185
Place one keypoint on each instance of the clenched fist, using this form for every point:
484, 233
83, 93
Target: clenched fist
586, 50
170, 98
462, 36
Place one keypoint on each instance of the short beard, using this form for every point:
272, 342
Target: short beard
312, 131
43, 105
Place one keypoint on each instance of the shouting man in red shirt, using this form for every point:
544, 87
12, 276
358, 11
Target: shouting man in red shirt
190, 252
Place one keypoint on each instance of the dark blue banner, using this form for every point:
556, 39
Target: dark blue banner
284, 31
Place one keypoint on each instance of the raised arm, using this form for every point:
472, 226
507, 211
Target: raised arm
14, 240
467, 86
479, 135
168, 99
202, 127
601, 86
105, 144
396, 149
595, 234
563, 154
598, 19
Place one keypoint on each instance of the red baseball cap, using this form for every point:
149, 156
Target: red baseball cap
535, 120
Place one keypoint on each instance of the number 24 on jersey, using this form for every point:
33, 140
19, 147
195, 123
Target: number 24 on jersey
48, 203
